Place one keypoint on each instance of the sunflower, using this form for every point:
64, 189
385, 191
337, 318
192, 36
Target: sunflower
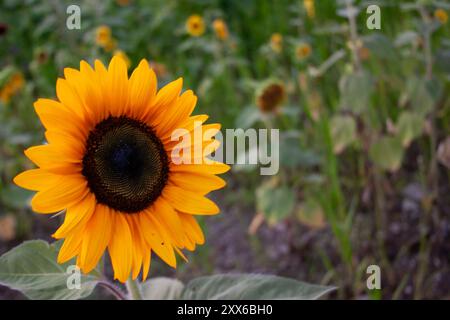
195, 25
303, 51
14, 85
441, 15
276, 42
270, 96
310, 8
109, 163
103, 35
220, 29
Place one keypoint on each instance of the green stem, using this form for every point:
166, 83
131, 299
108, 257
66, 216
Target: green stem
134, 290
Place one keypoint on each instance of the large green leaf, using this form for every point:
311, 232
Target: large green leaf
419, 95
275, 202
32, 269
343, 130
356, 89
387, 153
251, 287
162, 289
409, 127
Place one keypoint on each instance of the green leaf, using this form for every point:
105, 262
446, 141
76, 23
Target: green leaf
343, 131
251, 287
275, 202
418, 95
387, 153
293, 155
162, 288
32, 269
409, 127
380, 46
311, 214
356, 89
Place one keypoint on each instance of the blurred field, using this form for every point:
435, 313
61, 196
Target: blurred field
364, 123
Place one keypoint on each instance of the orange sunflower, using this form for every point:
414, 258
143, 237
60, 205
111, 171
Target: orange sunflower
109, 164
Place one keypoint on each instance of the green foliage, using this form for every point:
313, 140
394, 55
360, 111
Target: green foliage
162, 288
356, 89
409, 127
387, 153
274, 201
251, 287
32, 269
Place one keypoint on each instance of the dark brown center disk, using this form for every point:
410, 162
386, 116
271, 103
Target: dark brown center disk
125, 164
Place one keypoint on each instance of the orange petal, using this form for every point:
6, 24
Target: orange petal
120, 248
66, 193
142, 89
189, 202
197, 182
156, 239
213, 168
36, 179
96, 238
77, 216
117, 85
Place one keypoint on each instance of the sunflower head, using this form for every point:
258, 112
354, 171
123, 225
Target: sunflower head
195, 25
220, 29
12, 86
303, 51
276, 42
111, 163
441, 16
102, 35
309, 7
270, 96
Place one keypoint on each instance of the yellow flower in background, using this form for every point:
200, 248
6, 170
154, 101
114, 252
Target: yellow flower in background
441, 15
195, 25
103, 35
221, 29
270, 96
276, 42
309, 7
109, 164
124, 56
303, 51
110, 45
14, 84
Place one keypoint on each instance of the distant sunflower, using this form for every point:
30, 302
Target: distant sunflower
220, 29
276, 42
303, 51
103, 35
14, 85
441, 15
108, 164
195, 25
270, 96
310, 8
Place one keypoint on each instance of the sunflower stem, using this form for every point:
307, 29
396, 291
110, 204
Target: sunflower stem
112, 289
134, 290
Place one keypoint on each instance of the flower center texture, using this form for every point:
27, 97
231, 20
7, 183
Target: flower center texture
125, 164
